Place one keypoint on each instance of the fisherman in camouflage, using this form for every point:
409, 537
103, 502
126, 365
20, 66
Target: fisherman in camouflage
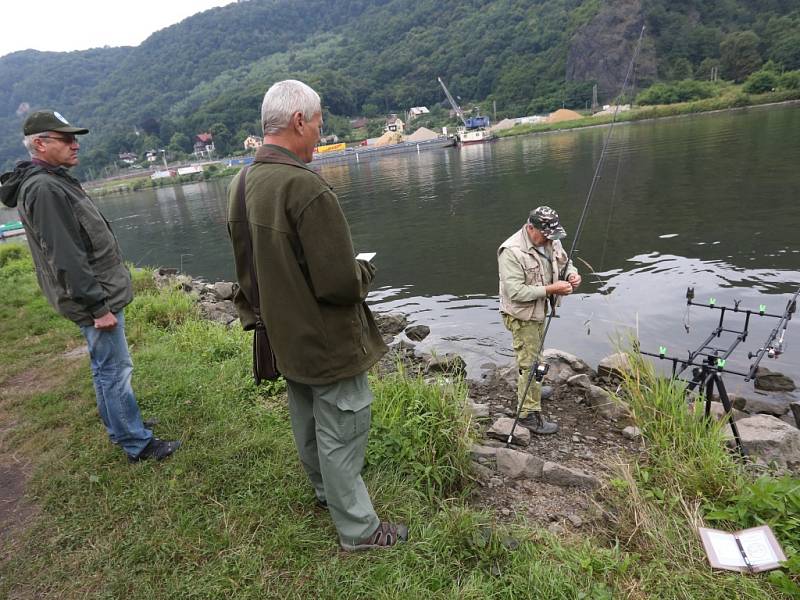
530, 262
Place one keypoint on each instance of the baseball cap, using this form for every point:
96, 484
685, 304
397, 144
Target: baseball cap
49, 120
545, 219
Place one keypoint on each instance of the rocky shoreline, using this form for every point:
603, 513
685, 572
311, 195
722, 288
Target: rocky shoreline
551, 479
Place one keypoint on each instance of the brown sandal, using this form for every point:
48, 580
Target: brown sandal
387, 534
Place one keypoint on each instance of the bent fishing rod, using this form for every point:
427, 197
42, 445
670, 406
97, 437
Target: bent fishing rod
539, 368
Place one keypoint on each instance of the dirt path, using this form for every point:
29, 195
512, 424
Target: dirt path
16, 509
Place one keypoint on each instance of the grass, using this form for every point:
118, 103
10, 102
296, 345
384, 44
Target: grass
231, 515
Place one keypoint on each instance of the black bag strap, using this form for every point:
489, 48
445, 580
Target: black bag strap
241, 214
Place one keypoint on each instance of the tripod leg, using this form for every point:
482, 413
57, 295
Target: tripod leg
726, 402
709, 383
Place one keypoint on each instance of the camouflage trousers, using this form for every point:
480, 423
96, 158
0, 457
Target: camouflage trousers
526, 337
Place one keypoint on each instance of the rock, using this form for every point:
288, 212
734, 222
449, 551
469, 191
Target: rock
222, 312
224, 290
505, 512
477, 451
632, 433
552, 356
502, 428
547, 392
605, 405
770, 381
563, 365
450, 363
597, 396
481, 473
770, 405
389, 323
516, 464
405, 346
717, 410
575, 520
479, 411
555, 529
417, 332
769, 438
614, 366
556, 474
580, 381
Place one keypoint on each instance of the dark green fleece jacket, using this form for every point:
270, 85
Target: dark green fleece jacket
78, 261
312, 289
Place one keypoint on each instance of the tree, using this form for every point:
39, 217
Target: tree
739, 55
180, 142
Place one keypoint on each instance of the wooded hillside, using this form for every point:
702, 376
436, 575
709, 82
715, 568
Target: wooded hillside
209, 72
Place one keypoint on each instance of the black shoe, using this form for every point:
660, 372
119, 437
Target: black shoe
322, 504
537, 424
156, 449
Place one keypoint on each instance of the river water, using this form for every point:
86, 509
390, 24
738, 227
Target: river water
708, 201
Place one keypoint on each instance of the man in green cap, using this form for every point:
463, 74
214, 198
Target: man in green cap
80, 271
310, 292
530, 263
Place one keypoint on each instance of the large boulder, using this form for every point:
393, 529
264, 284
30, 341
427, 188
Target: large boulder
769, 438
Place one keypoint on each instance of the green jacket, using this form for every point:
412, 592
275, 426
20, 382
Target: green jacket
525, 272
312, 290
78, 261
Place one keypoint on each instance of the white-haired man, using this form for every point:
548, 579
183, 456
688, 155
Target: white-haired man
81, 272
290, 234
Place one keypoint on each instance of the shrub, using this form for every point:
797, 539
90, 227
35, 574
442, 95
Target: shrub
681, 91
760, 82
790, 80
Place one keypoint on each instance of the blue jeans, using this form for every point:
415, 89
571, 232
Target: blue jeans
111, 371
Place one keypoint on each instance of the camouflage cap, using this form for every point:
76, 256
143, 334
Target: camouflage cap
49, 120
545, 219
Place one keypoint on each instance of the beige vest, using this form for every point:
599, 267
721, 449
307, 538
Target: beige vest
534, 264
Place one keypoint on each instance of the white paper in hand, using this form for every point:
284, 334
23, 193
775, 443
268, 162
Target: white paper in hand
367, 256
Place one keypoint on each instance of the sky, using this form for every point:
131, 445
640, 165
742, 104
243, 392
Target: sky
81, 24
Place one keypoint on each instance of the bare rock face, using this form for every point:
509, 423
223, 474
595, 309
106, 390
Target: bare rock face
770, 438
602, 49
501, 429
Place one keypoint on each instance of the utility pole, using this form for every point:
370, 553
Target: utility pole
594, 97
494, 110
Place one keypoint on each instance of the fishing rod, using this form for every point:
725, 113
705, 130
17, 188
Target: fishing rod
539, 369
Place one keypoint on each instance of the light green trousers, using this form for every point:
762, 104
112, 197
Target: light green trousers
331, 427
526, 337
